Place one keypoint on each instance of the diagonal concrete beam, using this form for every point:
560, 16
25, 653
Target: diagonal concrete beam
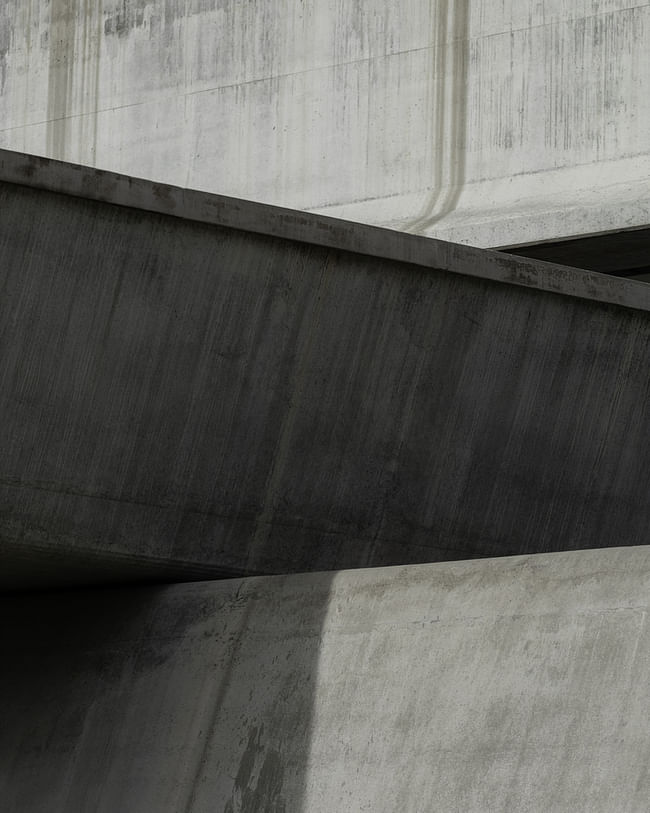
193, 386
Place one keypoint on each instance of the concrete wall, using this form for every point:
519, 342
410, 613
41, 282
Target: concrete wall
488, 123
184, 397
512, 685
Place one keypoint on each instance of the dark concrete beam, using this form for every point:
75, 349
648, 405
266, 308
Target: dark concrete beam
187, 399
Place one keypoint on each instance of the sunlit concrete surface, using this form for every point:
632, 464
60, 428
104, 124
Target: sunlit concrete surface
193, 386
486, 122
516, 684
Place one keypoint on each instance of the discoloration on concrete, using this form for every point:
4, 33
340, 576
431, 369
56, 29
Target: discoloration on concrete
62, 45
5, 45
259, 779
123, 19
449, 115
73, 79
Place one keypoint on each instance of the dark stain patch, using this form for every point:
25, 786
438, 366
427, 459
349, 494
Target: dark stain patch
123, 21
28, 169
164, 194
6, 29
449, 112
158, 17
258, 783
62, 41
130, 14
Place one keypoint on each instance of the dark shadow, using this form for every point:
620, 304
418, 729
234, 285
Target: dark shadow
189, 697
181, 698
621, 253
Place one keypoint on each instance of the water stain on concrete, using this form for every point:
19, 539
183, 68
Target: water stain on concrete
72, 37
449, 78
5, 43
124, 21
258, 783
62, 41
128, 15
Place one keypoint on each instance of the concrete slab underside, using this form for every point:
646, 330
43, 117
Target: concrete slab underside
184, 399
511, 684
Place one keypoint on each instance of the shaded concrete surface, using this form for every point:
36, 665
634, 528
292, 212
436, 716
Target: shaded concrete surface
504, 684
185, 399
623, 253
184, 698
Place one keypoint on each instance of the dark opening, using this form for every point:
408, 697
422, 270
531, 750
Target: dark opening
622, 253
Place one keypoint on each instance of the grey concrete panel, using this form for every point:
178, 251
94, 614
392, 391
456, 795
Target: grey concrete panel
185, 400
516, 684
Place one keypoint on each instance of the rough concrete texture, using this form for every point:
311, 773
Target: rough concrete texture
516, 684
181, 399
488, 123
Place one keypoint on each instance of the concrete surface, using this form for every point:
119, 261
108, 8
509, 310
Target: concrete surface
515, 684
183, 400
488, 123
319, 230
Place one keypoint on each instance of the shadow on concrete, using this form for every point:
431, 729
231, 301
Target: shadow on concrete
193, 697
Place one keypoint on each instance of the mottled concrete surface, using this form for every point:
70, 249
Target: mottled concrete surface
487, 122
513, 684
181, 399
